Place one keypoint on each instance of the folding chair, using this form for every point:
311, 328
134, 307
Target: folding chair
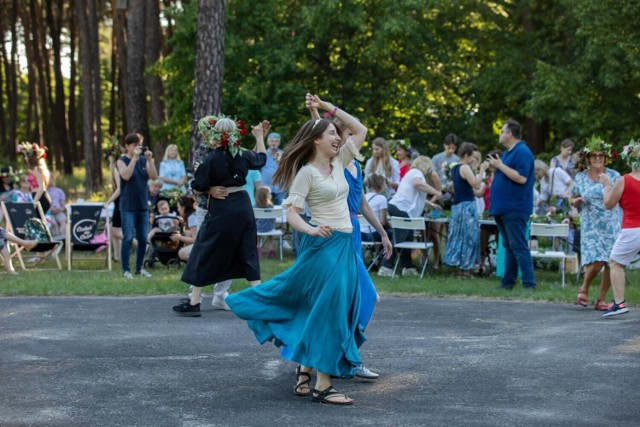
552, 231
16, 215
82, 228
412, 224
372, 247
275, 213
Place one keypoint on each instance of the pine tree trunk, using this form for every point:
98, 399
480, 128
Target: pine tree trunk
91, 95
154, 83
136, 100
209, 70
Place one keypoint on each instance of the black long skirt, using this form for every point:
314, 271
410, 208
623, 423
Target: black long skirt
226, 244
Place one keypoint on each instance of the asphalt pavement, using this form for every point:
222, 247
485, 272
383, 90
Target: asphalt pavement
84, 361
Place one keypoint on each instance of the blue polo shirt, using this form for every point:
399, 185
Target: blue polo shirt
508, 196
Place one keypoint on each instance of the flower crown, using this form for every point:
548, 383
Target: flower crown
31, 148
228, 140
631, 154
595, 143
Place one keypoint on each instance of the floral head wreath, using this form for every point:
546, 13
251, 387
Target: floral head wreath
595, 143
31, 148
228, 140
631, 154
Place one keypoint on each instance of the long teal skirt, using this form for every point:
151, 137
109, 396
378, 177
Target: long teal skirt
312, 308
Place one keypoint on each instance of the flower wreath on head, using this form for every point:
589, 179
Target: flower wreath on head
230, 141
30, 148
595, 143
631, 155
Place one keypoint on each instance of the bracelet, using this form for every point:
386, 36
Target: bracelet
332, 113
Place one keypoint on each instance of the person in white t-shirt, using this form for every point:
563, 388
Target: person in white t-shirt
554, 182
378, 202
409, 202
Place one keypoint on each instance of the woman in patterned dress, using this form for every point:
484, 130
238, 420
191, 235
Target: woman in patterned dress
599, 227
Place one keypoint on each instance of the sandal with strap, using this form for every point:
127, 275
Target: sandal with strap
583, 298
302, 388
326, 395
600, 305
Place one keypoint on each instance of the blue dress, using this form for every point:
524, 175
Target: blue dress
599, 227
368, 294
313, 307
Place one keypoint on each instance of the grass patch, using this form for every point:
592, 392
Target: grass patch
166, 281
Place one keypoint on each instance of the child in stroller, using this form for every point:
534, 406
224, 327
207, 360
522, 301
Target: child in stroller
161, 247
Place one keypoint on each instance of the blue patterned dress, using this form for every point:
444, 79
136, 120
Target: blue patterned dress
368, 294
599, 227
463, 242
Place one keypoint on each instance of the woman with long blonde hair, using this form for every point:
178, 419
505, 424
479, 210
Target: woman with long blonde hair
172, 171
382, 163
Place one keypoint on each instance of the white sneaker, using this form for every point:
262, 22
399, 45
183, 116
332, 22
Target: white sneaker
364, 372
127, 275
409, 272
144, 273
385, 272
218, 302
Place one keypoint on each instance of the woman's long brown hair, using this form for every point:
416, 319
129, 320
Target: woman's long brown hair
299, 151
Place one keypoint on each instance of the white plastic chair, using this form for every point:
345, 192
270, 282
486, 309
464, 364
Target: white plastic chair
552, 231
276, 214
413, 224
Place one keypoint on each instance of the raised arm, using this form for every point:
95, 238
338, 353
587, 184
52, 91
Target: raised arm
358, 130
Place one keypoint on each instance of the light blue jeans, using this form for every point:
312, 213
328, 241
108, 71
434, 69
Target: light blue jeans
138, 221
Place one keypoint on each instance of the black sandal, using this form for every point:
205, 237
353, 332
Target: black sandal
297, 390
323, 396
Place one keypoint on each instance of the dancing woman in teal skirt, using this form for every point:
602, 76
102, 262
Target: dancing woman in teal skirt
313, 307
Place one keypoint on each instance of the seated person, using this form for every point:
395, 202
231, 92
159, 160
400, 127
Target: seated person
57, 214
154, 191
4, 250
7, 185
23, 193
376, 198
165, 222
187, 211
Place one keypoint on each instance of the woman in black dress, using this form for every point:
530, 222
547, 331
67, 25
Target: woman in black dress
225, 246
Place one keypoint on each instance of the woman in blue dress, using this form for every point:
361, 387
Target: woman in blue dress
599, 226
463, 243
313, 308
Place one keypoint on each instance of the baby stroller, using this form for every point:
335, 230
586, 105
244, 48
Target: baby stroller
161, 248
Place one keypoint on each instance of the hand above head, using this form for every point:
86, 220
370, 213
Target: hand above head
258, 130
266, 126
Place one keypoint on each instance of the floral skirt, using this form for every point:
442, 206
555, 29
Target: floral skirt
463, 242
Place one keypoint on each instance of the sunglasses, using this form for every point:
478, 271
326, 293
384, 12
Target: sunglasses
596, 156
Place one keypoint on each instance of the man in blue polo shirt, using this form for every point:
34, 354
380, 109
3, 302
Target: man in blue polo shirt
512, 203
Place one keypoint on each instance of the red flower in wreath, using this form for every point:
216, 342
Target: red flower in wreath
614, 155
242, 127
224, 139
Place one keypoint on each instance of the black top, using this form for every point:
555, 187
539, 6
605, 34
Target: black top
220, 168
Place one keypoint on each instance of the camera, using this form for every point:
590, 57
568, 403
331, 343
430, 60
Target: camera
143, 149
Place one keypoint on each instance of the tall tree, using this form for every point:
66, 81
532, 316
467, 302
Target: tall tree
153, 42
135, 95
91, 92
55, 12
209, 67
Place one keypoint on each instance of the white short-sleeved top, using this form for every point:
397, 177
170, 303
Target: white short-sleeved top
408, 198
325, 195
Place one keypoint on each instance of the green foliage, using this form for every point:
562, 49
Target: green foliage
420, 69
